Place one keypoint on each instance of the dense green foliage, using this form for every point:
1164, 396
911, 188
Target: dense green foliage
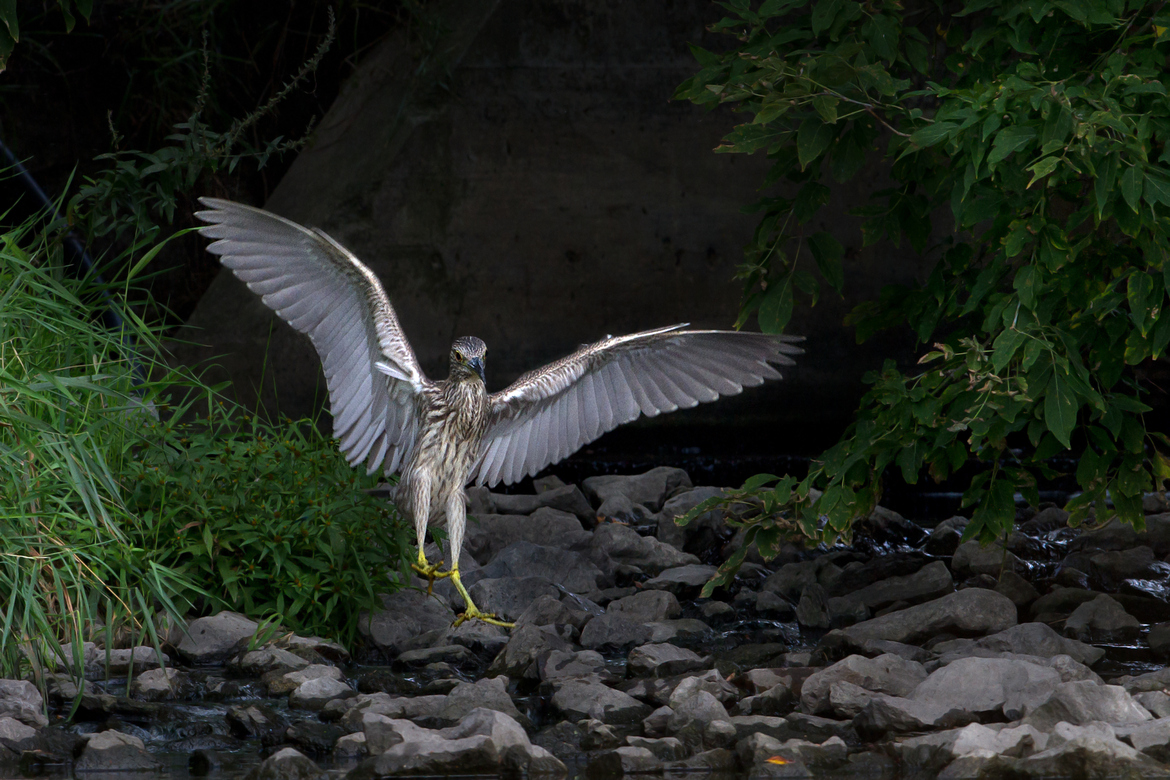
1041, 127
114, 524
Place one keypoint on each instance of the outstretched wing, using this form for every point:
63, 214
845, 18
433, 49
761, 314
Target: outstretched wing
323, 291
547, 415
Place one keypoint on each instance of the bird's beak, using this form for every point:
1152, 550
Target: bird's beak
477, 366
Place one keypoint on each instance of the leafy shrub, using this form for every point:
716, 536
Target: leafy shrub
1042, 128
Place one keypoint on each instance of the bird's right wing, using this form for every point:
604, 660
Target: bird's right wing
548, 414
322, 290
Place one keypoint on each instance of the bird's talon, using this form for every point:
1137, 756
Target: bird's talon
487, 617
431, 572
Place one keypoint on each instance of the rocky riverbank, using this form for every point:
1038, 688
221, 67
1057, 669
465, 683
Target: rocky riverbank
904, 654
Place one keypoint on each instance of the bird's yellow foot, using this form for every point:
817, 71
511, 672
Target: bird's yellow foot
430, 571
473, 612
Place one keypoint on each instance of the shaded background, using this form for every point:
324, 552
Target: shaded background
511, 170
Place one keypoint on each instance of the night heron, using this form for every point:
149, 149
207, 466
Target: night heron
441, 435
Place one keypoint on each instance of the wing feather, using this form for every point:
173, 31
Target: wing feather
548, 414
322, 290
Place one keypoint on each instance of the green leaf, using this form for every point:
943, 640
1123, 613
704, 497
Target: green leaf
1103, 186
932, 134
828, 252
1131, 186
1060, 409
812, 139
823, 14
1042, 168
8, 17
826, 106
776, 308
1157, 189
1009, 140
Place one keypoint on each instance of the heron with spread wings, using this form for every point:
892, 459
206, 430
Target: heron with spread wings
441, 435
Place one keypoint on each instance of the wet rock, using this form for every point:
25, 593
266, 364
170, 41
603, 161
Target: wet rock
161, 685
1159, 640
683, 581
286, 764
487, 535
623, 544
930, 582
884, 674
623, 761
404, 615
580, 699
791, 579
215, 639
316, 693
1035, 639
945, 537
1060, 602
1116, 535
650, 489
113, 751
351, 746
1102, 620
562, 739
208, 742
663, 748
488, 693
622, 511
455, 655
475, 745
812, 611
1083, 702
521, 657
549, 610
314, 736
267, 659
965, 612
1016, 588
21, 700
313, 649
1114, 567
522, 559
562, 665
662, 660
16, 736
259, 721
678, 505
752, 656
646, 606
770, 605
280, 684
1158, 680
614, 632
684, 631
989, 686
974, 558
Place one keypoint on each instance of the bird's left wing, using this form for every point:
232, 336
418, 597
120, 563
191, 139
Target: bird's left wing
322, 290
547, 415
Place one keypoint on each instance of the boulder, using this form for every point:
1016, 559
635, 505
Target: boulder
1152, 738
259, 721
579, 699
568, 665
649, 489
623, 761
945, 537
1159, 640
885, 674
930, 582
613, 631
1087, 752
16, 737
812, 611
404, 615
883, 714
288, 682
564, 498
1102, 620
966, 612
488, 693
487, 535
989, 686
663, 748
791, 579
682, 580
351, 746
1016, 588
508, 597
646, 606
113, 751
215, 639
21, 700
314, 736
1157, 702
678, 505
267, 659
622, 544
1036, 639
522, 559
974, 558
527, 646
316, 693
142, 658
1083, 702
161, 684
662, 660
402, 748
549, 610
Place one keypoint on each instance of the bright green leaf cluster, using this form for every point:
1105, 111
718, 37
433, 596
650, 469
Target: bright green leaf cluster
1042, 128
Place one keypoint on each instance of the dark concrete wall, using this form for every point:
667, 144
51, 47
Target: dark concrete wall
544, 195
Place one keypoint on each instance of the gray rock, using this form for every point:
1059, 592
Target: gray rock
531, 760
646, 606
766, 603
791, 579
697, 710
313, 735
884, 714
487, 535
681, 631
16, 736
663, 748
794, 726
623, 544
508, 597
930, 582
1151, 737
663, 660
316, 693
1046, 521
614, 632
1157, 702
683, 580
142, 658
160, 684
885, 674
257, 720
1016, 588
549, 610
564, 498
989, 686
1159, 640
678, 505
1114, 567
780, 699
1083, 702
402, 748
974, 558
567, 665
267, 659
288, 682
488, 693
812, 611
971, 611
351, 746
1026, 639
404, 615
598, 736
521, 657
580, 699
1151, 681
21, 700
1102, 620
623, 761
650, 489
622, 511
524, 559
113, 751
944, 537
1014, 742
1116, 535
216, 639
1087, 752
847, 700
455, 655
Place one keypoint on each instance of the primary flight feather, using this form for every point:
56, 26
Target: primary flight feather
441, 435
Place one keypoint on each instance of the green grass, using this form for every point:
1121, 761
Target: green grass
121, 514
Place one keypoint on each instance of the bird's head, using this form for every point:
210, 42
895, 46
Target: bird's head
467, 356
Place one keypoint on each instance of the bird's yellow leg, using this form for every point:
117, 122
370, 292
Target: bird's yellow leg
472, 612
429, 570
